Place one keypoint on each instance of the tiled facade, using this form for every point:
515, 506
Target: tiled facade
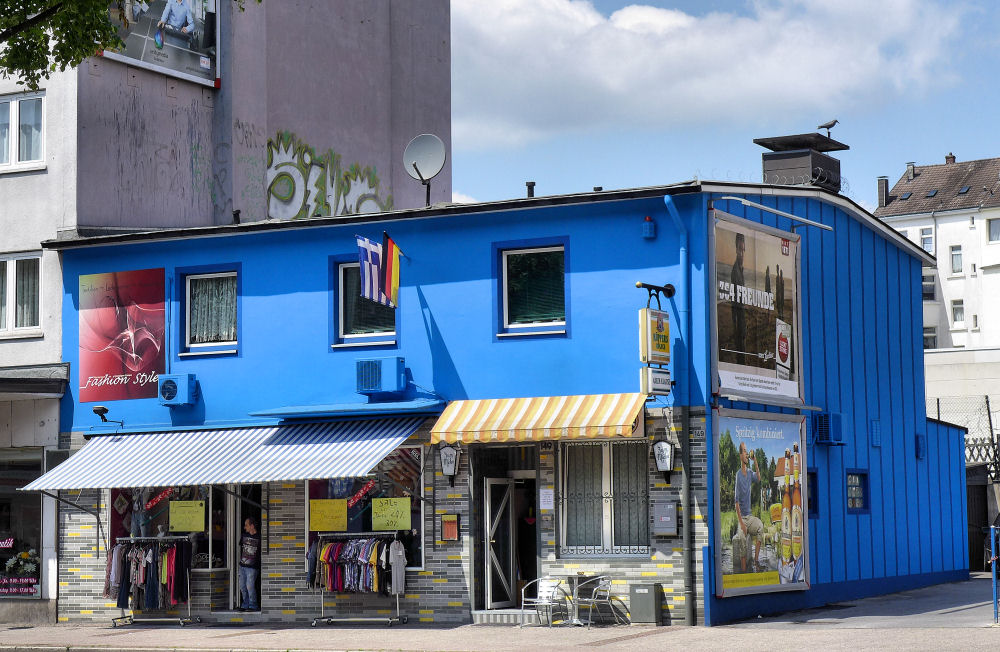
439, 592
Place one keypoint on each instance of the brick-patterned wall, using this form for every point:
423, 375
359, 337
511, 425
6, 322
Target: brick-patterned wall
82, 559
664, 565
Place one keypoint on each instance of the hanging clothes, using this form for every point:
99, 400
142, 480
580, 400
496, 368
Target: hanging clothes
397, 559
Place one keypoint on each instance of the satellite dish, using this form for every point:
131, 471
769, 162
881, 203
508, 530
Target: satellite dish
423, 159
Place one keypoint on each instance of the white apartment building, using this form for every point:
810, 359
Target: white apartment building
952, 210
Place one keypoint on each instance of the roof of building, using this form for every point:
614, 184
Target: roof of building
944, 187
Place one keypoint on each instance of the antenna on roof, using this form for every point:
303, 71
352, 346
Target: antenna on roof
423, 159
828, 126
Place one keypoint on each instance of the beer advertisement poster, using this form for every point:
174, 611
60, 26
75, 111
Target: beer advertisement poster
761, 503
757, 312
121, 334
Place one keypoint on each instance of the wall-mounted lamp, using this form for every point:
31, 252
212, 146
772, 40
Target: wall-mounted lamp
449, 461
102, 412
663, 453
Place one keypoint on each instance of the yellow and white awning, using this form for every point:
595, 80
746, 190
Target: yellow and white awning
539, 418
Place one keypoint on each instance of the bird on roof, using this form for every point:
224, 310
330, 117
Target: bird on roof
828, 126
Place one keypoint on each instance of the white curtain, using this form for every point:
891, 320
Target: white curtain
26, 293
212, 309
29, 145
4, 132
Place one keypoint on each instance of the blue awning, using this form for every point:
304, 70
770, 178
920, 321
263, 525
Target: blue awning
305, 451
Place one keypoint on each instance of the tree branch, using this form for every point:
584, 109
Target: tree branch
37, 19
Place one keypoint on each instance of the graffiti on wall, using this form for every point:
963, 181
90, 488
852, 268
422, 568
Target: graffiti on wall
302, 183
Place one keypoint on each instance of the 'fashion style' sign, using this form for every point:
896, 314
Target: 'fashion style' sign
762, 541
757, 311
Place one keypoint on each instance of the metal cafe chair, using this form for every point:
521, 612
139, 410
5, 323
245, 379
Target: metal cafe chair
550, 598
592, 594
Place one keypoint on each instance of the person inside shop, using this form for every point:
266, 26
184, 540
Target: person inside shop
249, 566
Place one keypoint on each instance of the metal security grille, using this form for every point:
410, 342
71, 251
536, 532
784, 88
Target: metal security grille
605, 498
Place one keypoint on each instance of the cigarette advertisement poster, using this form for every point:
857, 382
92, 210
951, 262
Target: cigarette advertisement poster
761, 503
176, 37
121, 335
757, 312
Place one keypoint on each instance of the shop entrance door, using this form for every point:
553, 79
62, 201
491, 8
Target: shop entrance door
499, 543
241, 511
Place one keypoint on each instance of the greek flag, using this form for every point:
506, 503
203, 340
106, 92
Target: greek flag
370, 258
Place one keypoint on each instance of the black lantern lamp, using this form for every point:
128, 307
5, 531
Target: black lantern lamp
449, 461
663, 453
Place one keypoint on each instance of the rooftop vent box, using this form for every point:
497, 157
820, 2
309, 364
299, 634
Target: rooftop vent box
799, 160
381, 375
175, 390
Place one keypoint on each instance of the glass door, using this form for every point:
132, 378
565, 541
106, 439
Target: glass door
499, 543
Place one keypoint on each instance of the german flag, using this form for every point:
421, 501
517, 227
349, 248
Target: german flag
389, 274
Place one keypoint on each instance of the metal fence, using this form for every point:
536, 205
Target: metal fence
980, 415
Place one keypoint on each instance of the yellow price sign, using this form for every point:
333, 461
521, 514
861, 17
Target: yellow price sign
390, 513
327, 515
187, 515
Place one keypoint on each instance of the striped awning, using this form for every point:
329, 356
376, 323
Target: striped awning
308, 451
543, 417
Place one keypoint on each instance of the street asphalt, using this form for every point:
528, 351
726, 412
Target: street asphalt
957, 616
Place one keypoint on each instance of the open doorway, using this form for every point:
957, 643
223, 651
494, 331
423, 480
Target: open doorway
246, 534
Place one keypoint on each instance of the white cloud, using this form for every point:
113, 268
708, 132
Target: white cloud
524, 70
459, 198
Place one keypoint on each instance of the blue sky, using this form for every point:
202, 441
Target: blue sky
574, 94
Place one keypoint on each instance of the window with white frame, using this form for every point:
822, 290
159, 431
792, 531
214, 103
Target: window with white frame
927, 239
21, 119
958, 312
956, 259
993, 229
604, 498
534, 288
927, 284
361, 320
20, 297
930, 337
211, 316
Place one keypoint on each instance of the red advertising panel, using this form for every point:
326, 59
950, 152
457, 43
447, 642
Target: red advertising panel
121, 334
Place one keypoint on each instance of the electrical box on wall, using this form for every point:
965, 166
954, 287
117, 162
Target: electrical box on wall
381, 375
175, 390
665, 519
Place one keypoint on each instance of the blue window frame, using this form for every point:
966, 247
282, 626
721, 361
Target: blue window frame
857, 491
532, 288
356, 321
211, 310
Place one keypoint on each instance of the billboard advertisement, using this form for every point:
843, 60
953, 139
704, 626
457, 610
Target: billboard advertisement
761, 506
176, 37
757, 306
121, 335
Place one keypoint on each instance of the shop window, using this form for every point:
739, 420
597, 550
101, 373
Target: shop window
20, 299
21, 143
857, 492
927, 285
211, 312
20, 524
533, 290
360, 321
927, 240
812, 498
993, 228
387, 501
930, 337
605, 498
956, 259
200, 513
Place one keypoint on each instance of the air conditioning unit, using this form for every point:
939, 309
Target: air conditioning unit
381, 375
177, 389
827, 429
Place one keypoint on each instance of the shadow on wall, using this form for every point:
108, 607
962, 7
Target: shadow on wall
301, 183
444, 375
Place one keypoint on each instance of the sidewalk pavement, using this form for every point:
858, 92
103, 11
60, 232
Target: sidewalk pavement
957, 616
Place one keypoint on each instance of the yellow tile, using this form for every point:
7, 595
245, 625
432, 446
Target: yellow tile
330, 604
288, 560
648, 574
412, 596
426, 611
277, 500
274, 575
301, 544
441, 511
426, 619
569, 566
63, 619
440, 542
110, 604
456, 604
277, 522
550, 543
619, 581
288, 485
86, 554
426, 572
288, 612
428, 489
676, 549
86, 577
288, 589
668, 589
86, 527
236, 620
73, 570
664, 565
439, 581
678, 598
384, 612
454, 556
67, 584
275, 545
289, 537
74, 534
86, 611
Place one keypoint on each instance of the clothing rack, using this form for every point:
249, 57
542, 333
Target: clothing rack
388, 620
130, 618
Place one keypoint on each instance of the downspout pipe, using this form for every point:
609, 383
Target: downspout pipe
683, 369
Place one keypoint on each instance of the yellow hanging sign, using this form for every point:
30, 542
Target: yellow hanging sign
391, 513
654, 336
328, 515
187, 515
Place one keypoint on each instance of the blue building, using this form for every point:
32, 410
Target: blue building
242, 376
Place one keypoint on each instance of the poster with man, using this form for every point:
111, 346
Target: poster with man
176, 37
757, 307
761, 502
